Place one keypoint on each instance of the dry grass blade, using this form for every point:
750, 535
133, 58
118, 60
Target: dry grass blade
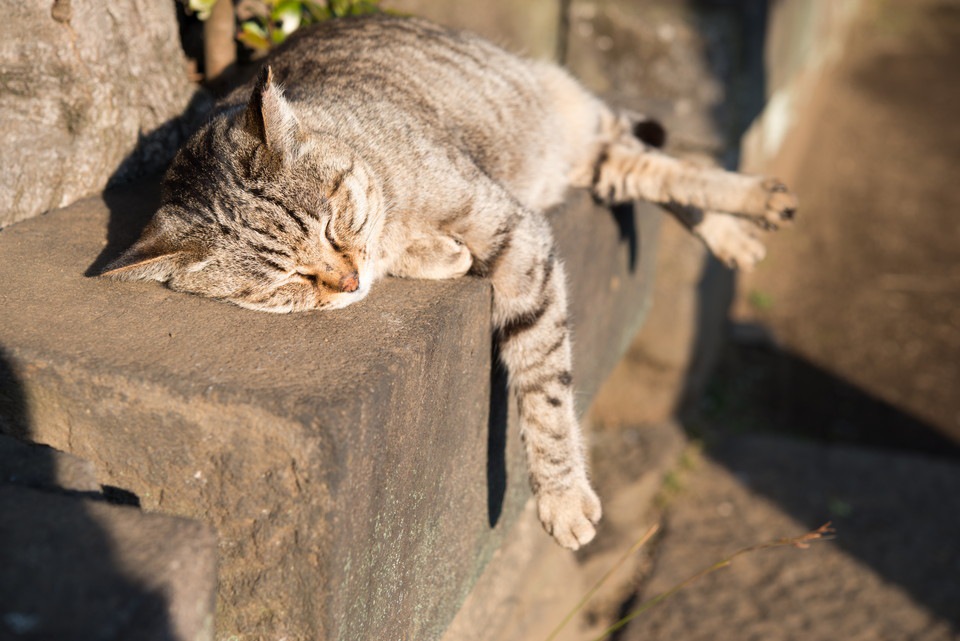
586, 597
803, 542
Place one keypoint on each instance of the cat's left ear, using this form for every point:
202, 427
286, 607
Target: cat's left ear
156, 256
270, 119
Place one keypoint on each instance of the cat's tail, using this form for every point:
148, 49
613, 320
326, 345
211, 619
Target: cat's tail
646, 130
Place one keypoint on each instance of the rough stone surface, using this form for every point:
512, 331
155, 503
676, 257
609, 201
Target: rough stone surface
891, 573
79, 569
356, 464
87, 92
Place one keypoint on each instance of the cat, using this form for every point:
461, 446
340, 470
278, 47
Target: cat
402, 148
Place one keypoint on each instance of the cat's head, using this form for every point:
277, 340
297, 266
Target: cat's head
262, 212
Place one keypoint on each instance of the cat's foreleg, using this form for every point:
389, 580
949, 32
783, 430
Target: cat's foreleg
628, 170
433, 256
530, 314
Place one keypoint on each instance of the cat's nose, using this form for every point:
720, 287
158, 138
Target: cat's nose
350, 282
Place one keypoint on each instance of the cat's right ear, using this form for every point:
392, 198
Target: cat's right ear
154, 257
270, 119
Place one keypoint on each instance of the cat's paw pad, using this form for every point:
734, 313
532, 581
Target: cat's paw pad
569, 516
732, 240
781, 203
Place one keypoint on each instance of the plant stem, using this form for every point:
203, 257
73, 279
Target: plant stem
586, 597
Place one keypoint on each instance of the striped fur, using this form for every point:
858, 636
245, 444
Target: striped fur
389, 146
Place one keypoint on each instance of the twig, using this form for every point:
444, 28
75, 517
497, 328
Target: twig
586, 597
802, 542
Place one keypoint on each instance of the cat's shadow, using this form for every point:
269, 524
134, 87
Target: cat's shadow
133, 189
498, 416
131, 208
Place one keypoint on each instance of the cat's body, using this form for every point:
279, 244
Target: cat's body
401, 148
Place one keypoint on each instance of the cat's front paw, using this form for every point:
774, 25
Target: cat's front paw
781, 203
570, 515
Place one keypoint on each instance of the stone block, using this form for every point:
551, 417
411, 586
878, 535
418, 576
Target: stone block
78, 569
40, 466
360, 466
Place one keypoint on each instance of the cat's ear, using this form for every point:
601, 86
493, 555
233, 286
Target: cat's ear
156, 256
270, 119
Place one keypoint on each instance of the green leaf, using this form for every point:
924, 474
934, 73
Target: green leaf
318, 10
254, 36
339, 8
202, 7
364, 7
288, 13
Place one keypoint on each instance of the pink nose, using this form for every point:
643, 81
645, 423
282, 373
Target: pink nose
350, 282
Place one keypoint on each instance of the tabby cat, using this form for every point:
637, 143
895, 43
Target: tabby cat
384, 146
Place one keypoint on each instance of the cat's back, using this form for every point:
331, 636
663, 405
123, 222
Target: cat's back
406, 61
405, 85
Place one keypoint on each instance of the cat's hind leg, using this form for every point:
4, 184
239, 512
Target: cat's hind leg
733, 240
627, 170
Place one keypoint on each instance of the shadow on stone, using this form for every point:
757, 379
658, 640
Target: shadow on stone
14, 416
759, 386
735, 32
888, 509
61, 577
131, 208
880, 474
132, 195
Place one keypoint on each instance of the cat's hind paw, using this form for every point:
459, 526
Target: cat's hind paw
732, 240
570, 516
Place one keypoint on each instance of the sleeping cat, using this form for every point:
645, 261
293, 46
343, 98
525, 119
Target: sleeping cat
384, 146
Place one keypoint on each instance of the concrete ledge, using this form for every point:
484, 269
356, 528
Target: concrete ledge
357, 464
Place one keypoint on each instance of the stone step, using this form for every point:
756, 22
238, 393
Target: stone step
42, 467
360, 466
77, 567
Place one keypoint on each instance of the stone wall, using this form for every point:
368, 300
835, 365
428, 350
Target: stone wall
88, 91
